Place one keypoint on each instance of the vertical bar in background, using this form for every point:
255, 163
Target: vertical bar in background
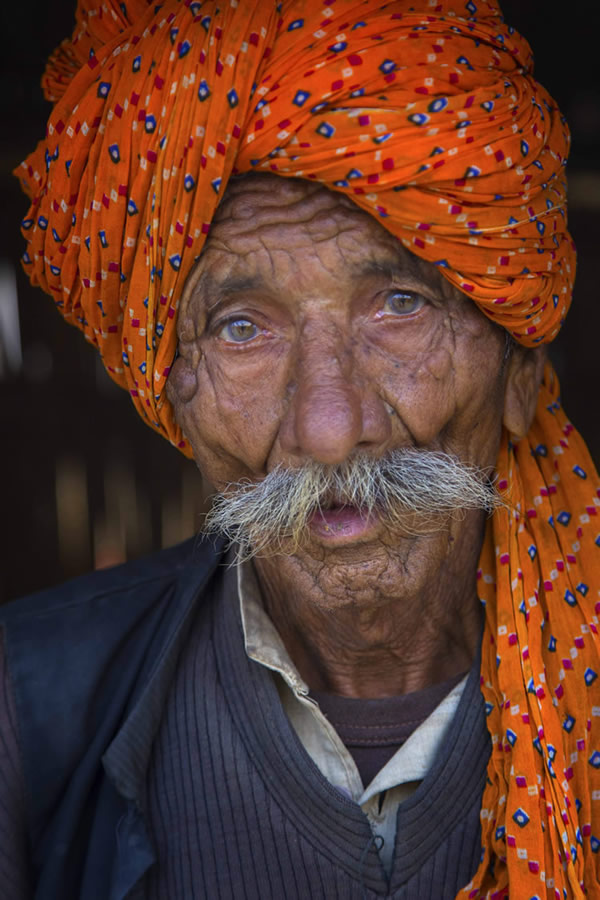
10, 333
124, 530
110, 528
170, 521
72, 514
193, 504
182, 514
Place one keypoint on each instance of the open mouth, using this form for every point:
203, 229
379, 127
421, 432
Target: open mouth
338, 519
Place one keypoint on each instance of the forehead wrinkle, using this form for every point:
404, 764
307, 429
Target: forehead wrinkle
261, 202
272, 232
289, 223
271, 249
291, 200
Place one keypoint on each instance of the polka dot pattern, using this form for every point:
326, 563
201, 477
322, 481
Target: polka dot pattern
539, 578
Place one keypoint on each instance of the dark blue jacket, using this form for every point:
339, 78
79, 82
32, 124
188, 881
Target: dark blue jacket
90, 663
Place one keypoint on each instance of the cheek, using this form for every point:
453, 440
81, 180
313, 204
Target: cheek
419, 382
480, 373
233, 417
448, 389
479, 384
424, 394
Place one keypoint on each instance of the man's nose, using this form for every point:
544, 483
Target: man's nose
333, 409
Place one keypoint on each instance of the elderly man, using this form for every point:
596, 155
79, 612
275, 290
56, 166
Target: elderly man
383, 682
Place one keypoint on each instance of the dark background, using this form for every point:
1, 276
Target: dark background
85, 482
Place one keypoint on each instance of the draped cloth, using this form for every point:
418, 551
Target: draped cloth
427, 115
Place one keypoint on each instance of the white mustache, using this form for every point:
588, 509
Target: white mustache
413, 490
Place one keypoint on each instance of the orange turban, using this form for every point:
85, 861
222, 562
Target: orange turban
427, 115
430, 120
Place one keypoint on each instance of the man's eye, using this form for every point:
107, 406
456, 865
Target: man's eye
402, 303
238, 331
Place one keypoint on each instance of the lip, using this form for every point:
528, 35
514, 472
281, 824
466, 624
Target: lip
343, 524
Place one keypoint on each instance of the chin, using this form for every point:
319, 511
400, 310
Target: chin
359, 574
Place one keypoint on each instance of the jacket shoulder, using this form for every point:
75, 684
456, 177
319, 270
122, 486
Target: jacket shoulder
147, 577
80, 657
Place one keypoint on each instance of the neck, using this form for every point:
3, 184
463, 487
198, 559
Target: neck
400, 627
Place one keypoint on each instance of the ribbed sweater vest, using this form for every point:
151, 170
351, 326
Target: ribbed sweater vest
237, 808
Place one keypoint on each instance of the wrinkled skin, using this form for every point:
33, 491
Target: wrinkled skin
307, 331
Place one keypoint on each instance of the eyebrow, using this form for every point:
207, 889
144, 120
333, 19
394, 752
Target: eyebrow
231, 284
390, 267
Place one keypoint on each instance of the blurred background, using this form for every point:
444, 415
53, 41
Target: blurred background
86, 484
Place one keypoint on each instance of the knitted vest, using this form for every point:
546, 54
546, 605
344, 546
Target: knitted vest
237, 809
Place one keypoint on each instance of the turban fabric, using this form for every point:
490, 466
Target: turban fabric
426, 114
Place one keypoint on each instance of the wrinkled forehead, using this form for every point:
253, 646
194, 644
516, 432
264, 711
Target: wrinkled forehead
261, 211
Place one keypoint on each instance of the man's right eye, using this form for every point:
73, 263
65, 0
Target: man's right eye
238, 331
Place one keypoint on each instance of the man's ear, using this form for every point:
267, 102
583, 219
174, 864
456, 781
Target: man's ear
524, 375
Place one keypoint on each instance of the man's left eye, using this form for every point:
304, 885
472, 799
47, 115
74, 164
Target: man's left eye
402, 303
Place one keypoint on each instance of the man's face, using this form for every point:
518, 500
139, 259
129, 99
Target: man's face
308, 333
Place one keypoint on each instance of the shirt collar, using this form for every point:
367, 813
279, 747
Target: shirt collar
261, 639
412, 760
